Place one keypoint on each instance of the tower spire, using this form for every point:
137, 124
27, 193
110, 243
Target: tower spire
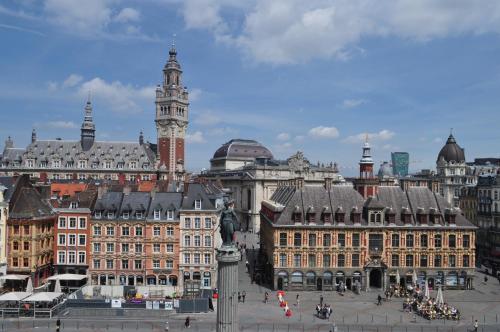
88, 128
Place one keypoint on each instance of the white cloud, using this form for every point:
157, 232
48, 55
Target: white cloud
283, 137
207, 118
382, 135
196, 137
195, 94
128, 15
72, 81
324, 132
119, 97
95, 19
352, 103
88, 19
57, 125
274, 31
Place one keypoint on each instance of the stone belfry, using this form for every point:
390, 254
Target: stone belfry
171, 118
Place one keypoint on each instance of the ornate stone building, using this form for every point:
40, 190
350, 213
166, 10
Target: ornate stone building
30, 233
452, 171
250, 172
88, 158
316, 237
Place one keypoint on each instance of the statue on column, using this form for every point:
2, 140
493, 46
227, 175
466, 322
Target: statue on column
228, 221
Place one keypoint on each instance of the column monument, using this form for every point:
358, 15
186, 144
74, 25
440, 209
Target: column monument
228, 257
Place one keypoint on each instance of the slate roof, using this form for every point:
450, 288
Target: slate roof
165, 202
27, 202
391, 199
242, 148
197, 191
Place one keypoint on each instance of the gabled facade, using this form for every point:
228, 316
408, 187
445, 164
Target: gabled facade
30, 232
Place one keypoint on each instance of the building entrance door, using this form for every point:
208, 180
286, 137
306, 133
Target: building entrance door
319, 283
376, 278
280, 283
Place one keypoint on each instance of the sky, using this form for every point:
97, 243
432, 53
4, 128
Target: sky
315, 76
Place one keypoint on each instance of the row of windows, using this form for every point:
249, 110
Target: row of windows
26, 230
424, 241
136, 264
312, 240
16, 262
127, 230
15, 245
70, 239
30, 163
70, 257
207, 258
197, 241
71, 223
196, 223
127, 247
327, 260
165, 110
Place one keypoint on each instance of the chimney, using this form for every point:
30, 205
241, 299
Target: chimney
186, 188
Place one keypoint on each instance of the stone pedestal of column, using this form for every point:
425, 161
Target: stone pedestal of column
227, 285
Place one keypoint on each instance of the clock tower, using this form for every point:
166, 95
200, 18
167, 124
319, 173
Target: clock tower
171, 119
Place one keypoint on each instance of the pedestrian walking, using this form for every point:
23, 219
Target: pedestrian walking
243, 295
476, 325
379, 299
58, 325
187, 323
297, 300
321, 300
266, 297
166, 326
485, 279
239, 297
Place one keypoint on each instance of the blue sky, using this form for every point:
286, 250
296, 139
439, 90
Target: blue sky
295, 75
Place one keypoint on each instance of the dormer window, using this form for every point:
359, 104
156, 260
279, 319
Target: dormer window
145, 165
70, 164
98, 214
30, 163
170, 214
56, 163
107, 164
197, 204
120, 165
111, 214
82, 164
43, 164
157, 214
139, 214
74, 205
125, 214
133, 165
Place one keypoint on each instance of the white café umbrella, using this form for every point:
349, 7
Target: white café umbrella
439, 297
427, 292
57, 287
29, 286
398, 277
414, 277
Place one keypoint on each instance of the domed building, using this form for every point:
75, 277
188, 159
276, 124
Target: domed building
238, 153
251, 173
452, 171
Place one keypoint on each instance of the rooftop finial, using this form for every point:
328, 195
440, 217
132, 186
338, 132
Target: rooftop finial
451, 131
89, 97
173, 40
366, 137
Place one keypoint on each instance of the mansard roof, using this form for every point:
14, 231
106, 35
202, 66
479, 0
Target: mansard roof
101, 151
393, 199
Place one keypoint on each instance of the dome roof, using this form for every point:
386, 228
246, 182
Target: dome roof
385, 170
451, 151
243, 149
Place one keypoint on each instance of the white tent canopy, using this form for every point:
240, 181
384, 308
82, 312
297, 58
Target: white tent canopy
43, 297
14, 277
14, 296
67, 276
